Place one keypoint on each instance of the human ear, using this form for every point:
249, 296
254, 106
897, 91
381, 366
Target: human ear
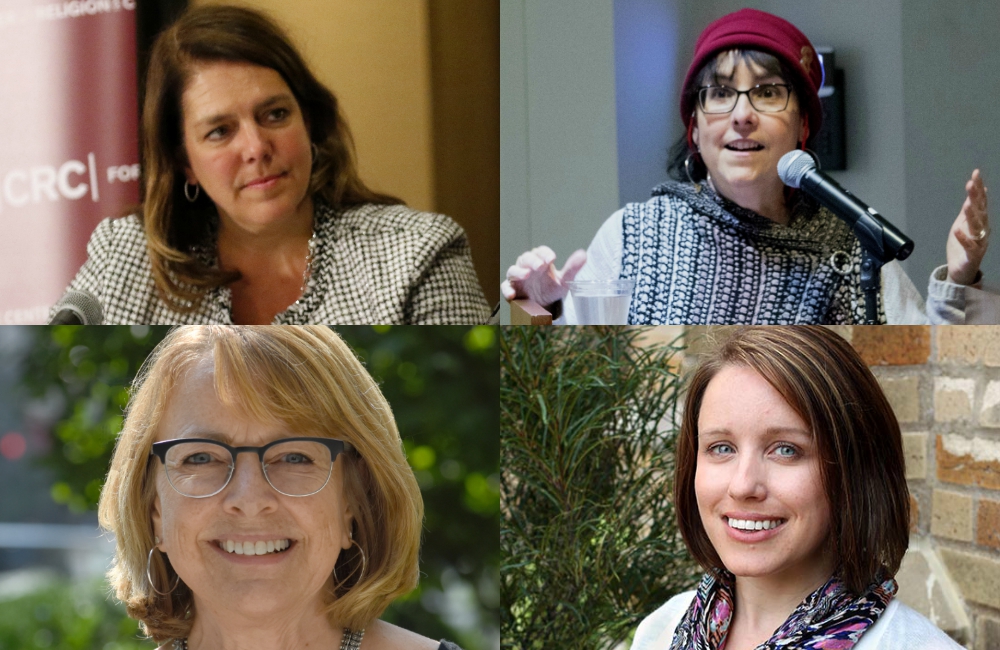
157, 519
182, 161
347, 527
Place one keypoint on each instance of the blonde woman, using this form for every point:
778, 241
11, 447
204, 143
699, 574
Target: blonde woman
260, 497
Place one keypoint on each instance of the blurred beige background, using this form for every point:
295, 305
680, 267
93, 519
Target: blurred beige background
419, 84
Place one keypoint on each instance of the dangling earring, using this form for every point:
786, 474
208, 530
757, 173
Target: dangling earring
149, 575
187, 195
364, 564
692, 149
687, 170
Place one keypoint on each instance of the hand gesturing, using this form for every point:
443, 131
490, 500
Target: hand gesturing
970, 234
535, 276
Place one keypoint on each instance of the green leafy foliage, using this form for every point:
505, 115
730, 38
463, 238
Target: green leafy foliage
87, 371
442, 383
588, 533
66, 616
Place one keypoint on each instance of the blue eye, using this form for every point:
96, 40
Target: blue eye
721, 448
786, 451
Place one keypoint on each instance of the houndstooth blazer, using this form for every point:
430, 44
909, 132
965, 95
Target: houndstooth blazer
373, 264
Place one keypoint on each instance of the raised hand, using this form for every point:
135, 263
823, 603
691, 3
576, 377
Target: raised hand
970, 234
535, 276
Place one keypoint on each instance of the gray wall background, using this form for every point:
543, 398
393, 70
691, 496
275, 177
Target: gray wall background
589, 92
951, 94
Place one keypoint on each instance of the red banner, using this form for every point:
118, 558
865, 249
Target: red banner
69, 147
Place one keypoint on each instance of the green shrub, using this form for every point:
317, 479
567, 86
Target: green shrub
589, 542
68, 616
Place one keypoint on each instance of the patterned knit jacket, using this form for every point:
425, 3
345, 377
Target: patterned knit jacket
699, 258
373, 264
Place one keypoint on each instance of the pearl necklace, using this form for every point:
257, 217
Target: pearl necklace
350, 641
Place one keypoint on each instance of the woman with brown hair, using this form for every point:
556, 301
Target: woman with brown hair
253, 210
790, 491
727, 242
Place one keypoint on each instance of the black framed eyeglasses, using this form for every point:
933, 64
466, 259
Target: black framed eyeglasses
765, 98
296, 467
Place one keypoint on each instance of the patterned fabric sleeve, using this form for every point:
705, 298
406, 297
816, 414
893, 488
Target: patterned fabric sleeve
117, 272
376, 264
447, 291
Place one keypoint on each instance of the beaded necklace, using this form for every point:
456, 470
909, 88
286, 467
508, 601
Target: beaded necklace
350, 641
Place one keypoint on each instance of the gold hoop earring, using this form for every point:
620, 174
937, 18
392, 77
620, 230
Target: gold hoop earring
149, 576
364, 565
197, 190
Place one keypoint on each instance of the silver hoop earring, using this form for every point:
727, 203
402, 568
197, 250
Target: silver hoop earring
364, 565
149, 576
687, 170
187, 195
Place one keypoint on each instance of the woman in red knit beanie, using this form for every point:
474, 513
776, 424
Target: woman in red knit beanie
728, 242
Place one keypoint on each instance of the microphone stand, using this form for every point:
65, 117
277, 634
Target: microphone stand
871, 283
881, 242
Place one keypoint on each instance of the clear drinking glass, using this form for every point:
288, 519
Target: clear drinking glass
601, 302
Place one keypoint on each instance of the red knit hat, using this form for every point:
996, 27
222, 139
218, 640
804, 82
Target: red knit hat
750, 29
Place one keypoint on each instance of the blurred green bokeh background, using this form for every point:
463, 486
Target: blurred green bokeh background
443, 385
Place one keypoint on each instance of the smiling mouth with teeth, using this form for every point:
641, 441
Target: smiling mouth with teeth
744, 146
255, 548
752, 525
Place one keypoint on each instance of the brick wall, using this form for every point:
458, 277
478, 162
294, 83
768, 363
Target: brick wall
944, 385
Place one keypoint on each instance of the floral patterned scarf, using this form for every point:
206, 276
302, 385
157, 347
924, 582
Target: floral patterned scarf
830, 618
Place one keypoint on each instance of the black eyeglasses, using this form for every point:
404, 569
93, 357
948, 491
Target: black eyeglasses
766, 98
296, 467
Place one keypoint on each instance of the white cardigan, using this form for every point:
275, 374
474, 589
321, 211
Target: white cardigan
898, 628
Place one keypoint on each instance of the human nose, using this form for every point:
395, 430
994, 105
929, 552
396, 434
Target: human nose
255, 143
744, 111
749, 481
248, 490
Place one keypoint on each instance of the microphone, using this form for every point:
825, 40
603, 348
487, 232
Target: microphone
78, 308
882, 239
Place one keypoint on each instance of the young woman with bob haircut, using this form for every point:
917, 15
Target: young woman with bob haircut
260, 496
252, 208
790, 491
